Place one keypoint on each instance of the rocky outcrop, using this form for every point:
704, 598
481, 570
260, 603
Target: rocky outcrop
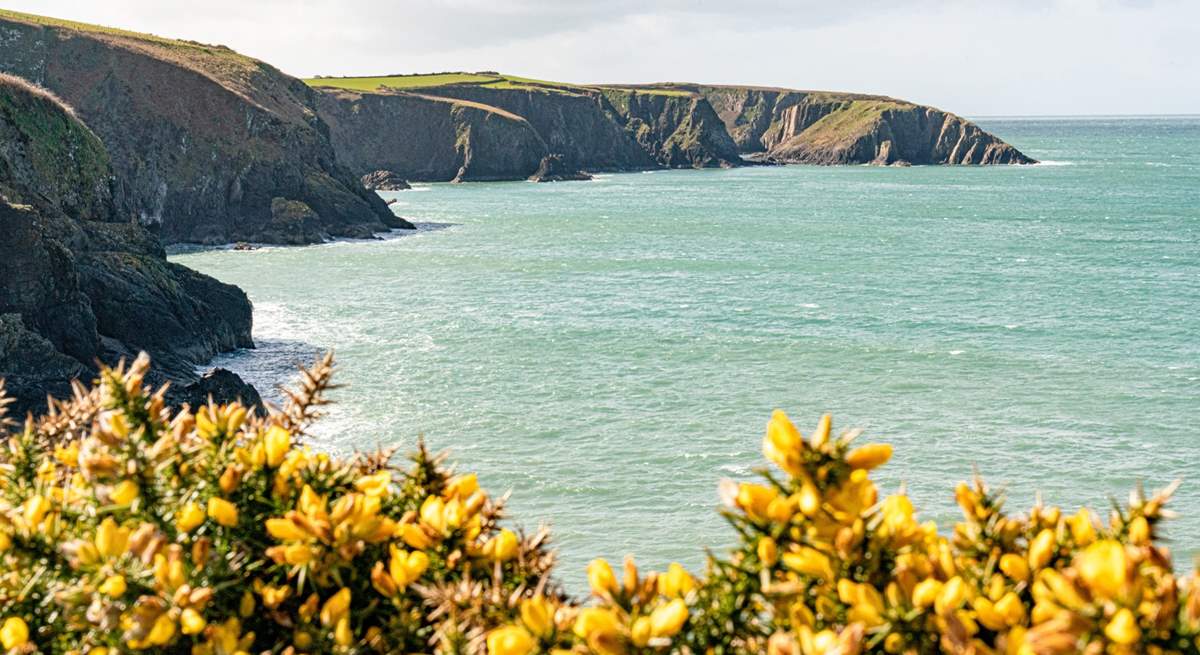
77, 285
554, 169
679, 130
385, 181
202, 139
806, 127
219, 385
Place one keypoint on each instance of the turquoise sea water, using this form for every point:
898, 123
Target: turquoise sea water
610, 350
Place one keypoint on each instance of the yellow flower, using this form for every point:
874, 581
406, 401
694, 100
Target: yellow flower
189, 517
641, 632
276, 442
14, 633
1011, 608
113, 586
405, 567
374, 485
433, 514
676, 581
1015, 567
510, 640
869, 456
595, 619
272, 597
782, 444
1042, 549
768, 551
667, 620
951, 596
462, 486
502, 547
342, 634
809, 561
1123, 628
222, 511
162, 631
111, 540
1082, 528
601, 577
337, 607
537, 614
36, 509
246, 604
1139, 531
810, 499
285, 530
926, 592
755, 499
191, 622
1103, 566
415, 537
124, 492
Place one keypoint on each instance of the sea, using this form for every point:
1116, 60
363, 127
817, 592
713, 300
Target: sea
609, 351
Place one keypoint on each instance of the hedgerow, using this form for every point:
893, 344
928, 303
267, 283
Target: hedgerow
128, 526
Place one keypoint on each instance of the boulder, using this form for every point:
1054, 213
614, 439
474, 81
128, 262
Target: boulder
221, 386
554, 169
385, 181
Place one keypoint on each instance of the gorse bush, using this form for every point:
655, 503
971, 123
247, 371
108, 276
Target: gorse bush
126, 526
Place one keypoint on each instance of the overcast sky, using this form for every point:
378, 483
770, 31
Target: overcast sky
985, 57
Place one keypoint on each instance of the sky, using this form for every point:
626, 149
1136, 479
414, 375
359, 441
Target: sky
973, 57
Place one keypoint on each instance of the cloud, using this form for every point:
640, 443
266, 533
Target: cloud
969, 56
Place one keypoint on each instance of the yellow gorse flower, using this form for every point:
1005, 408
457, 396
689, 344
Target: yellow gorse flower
350, 555
601, 577
222, 511
510, 640
14, 633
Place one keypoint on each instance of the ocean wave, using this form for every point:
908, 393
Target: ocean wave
1052, 162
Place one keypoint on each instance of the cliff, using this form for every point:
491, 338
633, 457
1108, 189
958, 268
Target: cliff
427, 138
77, 284
424, 127
202, 140
807, 127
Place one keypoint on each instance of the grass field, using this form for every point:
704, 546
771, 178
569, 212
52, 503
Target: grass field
426, 81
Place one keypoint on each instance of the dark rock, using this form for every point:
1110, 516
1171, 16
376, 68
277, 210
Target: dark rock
554, 169
221, 386
33, 369
293, 222
80, 289
385, 181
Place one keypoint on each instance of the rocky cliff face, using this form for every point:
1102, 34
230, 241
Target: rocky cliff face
788, 126
202, 139
468, 132
76, 284
427, 138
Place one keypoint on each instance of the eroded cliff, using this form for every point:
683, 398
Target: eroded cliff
503, 129
202, 139
806, 127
